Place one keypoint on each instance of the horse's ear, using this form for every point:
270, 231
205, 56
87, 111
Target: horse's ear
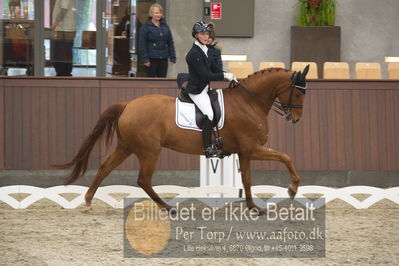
298, 78
295, 77
305, 72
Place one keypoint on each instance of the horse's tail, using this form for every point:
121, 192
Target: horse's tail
106, 123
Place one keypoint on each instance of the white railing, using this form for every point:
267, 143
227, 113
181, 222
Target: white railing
104, 194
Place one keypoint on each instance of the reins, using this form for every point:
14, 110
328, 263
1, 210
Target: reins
279, 108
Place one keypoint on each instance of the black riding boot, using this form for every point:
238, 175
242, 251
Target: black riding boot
206, 138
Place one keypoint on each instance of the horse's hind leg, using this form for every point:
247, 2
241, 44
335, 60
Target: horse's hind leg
147, 167
113, 160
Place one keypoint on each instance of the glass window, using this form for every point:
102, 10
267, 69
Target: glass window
118, 34
16, 42
70, 37
63, 42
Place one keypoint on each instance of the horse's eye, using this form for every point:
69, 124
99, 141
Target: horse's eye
298, 95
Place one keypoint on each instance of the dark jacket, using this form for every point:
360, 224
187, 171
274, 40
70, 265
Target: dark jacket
216, 55
202, 70
156, 42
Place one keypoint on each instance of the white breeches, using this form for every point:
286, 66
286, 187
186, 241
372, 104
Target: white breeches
203, 102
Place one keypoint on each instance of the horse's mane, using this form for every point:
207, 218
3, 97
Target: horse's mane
266, 71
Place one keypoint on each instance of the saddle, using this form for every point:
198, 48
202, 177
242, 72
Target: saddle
217, 107
182, 79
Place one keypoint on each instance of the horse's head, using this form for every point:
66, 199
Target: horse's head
291, 99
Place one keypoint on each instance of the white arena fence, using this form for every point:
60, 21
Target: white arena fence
105, 194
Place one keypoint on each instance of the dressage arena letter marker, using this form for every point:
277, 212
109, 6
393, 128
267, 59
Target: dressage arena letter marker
238, 165
214, 167
220, 172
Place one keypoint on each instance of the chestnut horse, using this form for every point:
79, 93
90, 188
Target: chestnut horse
146, 124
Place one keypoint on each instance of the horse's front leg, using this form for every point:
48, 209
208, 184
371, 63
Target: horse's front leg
264, 153
245, 167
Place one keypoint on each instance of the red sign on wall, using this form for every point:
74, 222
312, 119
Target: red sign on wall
216, 10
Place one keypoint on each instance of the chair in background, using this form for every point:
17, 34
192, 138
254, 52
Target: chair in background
368, 70
299, 66
393, 70
336, 70
240, 69
264, 65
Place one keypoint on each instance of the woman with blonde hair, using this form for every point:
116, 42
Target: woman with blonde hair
156, 43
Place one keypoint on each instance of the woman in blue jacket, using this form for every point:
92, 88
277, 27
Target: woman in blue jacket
156, 43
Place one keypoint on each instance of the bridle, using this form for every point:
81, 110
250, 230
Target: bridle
285, 109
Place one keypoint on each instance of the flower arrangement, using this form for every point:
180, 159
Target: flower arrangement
316, 12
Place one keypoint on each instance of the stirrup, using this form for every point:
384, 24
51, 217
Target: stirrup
210, 152
218, 143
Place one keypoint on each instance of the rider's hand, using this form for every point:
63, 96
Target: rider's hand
229, 76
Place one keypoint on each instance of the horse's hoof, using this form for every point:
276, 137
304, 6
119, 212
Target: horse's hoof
87, 209
88, 203
291, 193
262, 212
172, 212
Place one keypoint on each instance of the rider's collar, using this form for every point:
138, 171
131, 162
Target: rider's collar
203, 47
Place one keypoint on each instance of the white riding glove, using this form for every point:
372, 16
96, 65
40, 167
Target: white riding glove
229, 76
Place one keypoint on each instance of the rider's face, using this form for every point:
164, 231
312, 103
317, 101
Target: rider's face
203, 36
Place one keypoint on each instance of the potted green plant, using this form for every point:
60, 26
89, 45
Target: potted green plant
315, 38
316, 12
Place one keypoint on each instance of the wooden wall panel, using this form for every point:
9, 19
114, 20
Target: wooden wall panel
2, 125
45, 121
391, 128
346, 124
356, 119
314, 117
362, 119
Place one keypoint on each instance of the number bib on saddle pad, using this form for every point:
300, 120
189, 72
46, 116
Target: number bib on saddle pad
188, 116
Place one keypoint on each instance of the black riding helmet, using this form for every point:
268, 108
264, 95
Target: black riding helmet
200, 26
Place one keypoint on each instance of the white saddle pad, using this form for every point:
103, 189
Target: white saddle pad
185, 114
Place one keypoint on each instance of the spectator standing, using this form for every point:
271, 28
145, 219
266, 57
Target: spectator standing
156, 43
64, 25
215, 48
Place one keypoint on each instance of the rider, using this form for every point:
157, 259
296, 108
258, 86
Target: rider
202, 70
